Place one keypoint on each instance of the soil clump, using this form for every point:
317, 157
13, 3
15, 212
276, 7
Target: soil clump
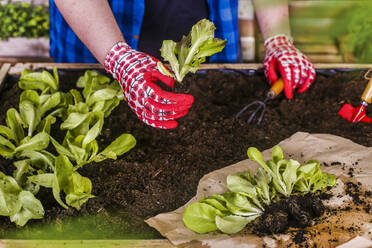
294, 211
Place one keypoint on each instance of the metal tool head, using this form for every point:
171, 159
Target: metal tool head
275, 90
261, 106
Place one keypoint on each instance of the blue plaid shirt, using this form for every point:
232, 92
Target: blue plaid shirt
65, 46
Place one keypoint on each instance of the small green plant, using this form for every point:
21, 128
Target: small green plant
248, 196
186, 55
23, 20
27, 135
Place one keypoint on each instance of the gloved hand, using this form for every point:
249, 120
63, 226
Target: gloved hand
294, 67
136, 72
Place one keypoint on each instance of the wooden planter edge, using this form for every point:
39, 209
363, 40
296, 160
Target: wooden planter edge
153, 243
17, 68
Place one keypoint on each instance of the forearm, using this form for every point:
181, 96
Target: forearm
94, 23
272, 17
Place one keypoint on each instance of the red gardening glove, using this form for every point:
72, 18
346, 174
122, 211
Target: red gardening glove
136, 73
294, 67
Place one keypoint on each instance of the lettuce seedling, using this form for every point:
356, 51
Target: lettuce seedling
283, 172
186, 55
248, 195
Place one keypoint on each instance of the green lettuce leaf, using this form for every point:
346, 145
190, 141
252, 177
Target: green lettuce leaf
232, 223
14, 122
74, 120
201, 217
81, 191
31, 208
30, 115
62, 180
239, 183
77, 96
23, 170
38, 81
313, 179
187, 55
239, 204
50, 102
118, 147
46, 180
92, 134
37, 143
9, 190
39, 159
101, 95
46, 124
62, 150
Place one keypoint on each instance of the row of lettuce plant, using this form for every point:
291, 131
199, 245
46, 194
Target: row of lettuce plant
248, 195
40, 160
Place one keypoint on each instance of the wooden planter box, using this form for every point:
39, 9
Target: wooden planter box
8, 69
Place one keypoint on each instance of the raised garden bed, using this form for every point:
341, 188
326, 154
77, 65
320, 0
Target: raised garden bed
161, 173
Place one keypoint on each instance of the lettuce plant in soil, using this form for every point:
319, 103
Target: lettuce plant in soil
249, 196
186, 55
28, 139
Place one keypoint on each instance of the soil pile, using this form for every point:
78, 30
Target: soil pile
294, 211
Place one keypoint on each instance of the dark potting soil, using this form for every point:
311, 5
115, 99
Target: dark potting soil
294, 211
162, 172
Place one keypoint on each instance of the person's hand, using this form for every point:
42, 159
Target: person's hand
136, 72
294, 67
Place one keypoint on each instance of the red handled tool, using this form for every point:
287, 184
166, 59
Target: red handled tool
358, 114
275, 90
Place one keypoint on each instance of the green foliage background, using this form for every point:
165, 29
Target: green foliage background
355, 25
23, 20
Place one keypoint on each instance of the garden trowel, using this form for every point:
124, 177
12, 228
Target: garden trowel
358, 114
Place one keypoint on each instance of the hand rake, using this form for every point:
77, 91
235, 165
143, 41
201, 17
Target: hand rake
275, 90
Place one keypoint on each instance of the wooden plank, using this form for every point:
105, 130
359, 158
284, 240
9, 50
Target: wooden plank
157, 243
4, 69
14, 59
